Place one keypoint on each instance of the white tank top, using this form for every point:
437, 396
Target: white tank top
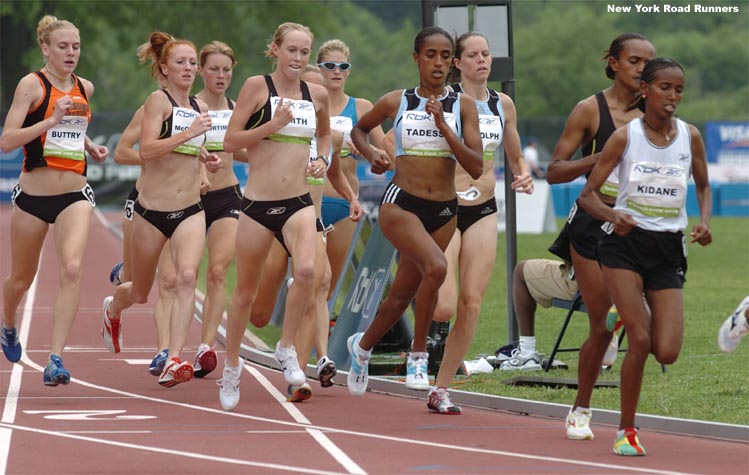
653, 180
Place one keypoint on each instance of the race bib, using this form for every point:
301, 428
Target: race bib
421, 137
302, 127
343, 125
182, 119
214, 138
656, 189
491, 134
67, 139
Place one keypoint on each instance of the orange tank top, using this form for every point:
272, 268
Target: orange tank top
62, 146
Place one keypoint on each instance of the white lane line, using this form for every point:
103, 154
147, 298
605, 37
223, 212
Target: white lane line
106, 432
398, 440
338, 455
276, 432
14, 386
178, 453
295, 413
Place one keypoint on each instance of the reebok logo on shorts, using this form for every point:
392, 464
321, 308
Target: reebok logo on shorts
175, 215
280, 210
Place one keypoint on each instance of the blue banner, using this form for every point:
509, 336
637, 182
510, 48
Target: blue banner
727, 143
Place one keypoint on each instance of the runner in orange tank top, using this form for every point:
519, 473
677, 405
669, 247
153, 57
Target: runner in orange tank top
48, 118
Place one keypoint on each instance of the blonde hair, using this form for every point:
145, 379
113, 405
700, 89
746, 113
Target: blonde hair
157, 49
281, 32
216, 47
330, 46
49, 24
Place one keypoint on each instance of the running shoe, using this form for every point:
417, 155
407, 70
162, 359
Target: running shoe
416, 371
158, 362
613, 319
115, 276
578, 424
205, 360
111, 330
520, 362
55, 373
10, 344
439, 401
609, 358
298, 393
175, 372
326, 370
287, 358
628, 443
358, 374
228, 394
733, 330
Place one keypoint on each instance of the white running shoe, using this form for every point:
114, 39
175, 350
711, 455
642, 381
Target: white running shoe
531, 362
416, 371
734, 329
609, 358
287, 358
111, 330
358, 374
578, 424
228, 394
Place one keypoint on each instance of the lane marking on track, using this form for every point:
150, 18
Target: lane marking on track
178, 453
338, 455
398, 440
106, 432
87, 415
275, 432
14, 387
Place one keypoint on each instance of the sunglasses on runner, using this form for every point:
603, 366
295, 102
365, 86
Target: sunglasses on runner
331, 65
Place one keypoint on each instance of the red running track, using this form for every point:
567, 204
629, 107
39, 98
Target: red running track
114, 418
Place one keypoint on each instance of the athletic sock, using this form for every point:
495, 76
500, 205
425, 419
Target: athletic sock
527, 345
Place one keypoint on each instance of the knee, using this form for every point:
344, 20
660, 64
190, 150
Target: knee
304, 273
638, 342
139, 297
216, 275
167, 284
435, 273
260, 320
71, 272
186, 279
665, 355
18, 285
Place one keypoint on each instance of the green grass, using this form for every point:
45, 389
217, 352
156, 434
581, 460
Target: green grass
703, 384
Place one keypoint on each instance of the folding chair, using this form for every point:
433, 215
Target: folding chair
572, 306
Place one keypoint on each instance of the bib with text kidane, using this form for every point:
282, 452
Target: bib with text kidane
67, 139
653, 179
182, 119
343, 125
214, 138
415, 130
302, 127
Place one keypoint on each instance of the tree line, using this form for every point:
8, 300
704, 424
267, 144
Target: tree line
558, 46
